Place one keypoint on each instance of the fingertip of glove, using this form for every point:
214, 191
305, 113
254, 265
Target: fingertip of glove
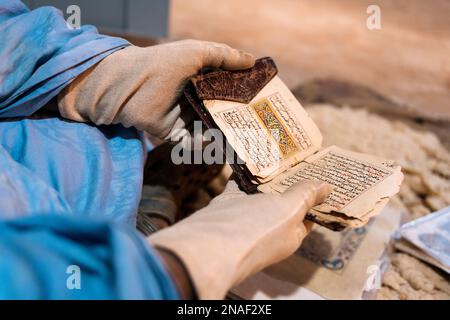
314, 192
248, 59
323, 189
241, 60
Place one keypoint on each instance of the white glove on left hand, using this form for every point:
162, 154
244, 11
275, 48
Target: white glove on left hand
140, 86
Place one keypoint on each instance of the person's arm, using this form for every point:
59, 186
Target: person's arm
237, 235
140, 87
61, 257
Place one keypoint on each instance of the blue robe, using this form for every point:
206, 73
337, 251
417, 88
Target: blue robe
69, 191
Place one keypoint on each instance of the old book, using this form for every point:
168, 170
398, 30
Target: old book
278, 144
327, 262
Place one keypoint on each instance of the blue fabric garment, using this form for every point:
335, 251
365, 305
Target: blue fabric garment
88, 171
68, 191
40, 54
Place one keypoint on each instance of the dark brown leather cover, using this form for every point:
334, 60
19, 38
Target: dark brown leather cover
240, 86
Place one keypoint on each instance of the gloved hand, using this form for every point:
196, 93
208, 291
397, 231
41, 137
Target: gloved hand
237, 235
140, 86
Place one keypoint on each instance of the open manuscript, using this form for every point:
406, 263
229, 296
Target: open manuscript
281, 145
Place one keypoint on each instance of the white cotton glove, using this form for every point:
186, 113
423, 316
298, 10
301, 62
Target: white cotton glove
140, 86
237, 235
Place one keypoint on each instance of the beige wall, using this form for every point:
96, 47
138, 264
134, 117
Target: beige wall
408, 59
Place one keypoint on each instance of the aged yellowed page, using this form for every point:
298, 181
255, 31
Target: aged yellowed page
361, 184
271, 133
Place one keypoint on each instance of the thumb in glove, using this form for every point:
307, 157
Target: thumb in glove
140, 86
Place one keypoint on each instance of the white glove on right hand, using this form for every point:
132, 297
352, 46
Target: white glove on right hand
237, 235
